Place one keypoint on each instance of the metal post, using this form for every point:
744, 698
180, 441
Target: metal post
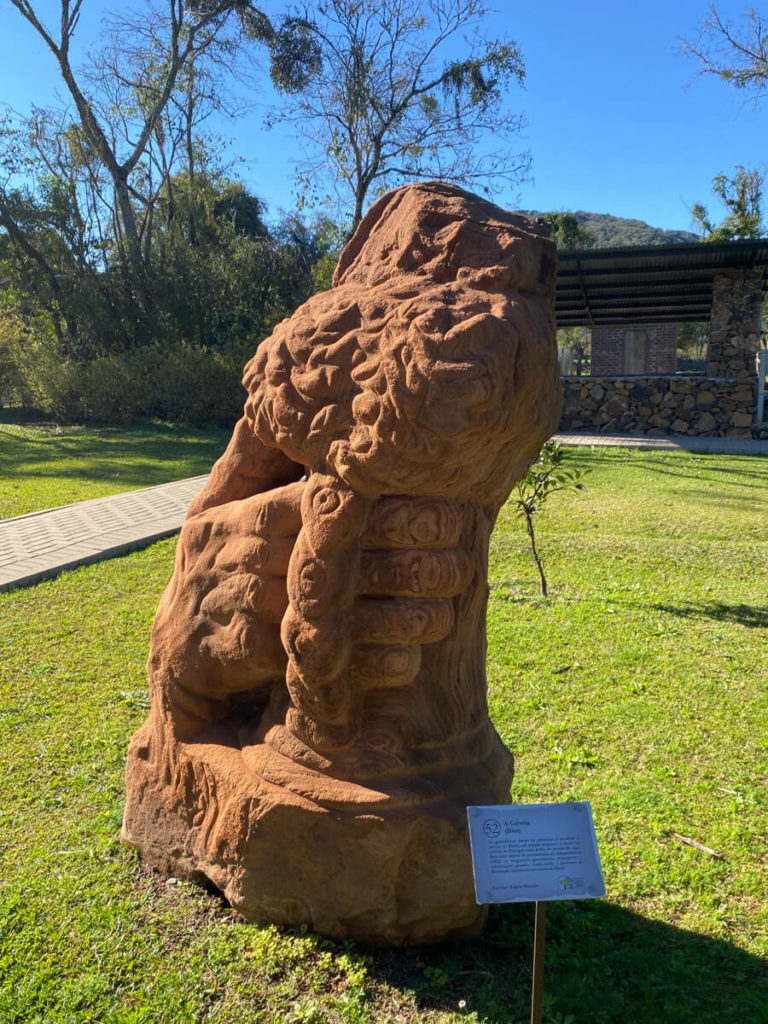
539, 935
762, 372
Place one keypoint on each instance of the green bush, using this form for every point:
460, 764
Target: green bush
183, 384
109, 390
194, 386
50, 381
11, 382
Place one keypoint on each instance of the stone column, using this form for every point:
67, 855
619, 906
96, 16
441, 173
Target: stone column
734, 333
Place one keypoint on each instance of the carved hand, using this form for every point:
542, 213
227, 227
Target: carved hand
357, 617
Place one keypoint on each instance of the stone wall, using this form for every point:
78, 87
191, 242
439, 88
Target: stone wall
651, 347
656, 406
735, 323
633, 388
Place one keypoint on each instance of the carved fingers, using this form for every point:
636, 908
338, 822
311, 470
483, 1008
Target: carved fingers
411, 522
411, 565
314, 585
363, 599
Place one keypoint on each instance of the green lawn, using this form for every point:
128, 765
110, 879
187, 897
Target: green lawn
43, 465
641, 685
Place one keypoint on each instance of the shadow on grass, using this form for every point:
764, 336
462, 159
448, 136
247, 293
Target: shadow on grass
719, 498
752, 616
24, 414
604, 964
712, 468
138, 453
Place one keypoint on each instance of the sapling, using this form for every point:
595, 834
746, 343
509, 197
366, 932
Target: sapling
545, 476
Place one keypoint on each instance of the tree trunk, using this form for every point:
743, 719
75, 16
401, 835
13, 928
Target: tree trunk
535, 553
191, 214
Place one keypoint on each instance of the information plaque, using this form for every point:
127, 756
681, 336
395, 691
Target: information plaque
533, 852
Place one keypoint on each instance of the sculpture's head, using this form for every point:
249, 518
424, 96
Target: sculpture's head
441, 233
430, 366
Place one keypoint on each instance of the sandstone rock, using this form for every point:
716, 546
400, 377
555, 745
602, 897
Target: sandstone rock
614, 407
705, 422
743, 395
317, 668
741, 419
678, 426
704, 399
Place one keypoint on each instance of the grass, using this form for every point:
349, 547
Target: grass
43, 465
641, 685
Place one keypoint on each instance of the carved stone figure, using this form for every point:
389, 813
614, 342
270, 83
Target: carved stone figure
319, 719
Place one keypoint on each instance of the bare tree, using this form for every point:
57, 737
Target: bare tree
391, 102
175, 36
47, 224
737, 52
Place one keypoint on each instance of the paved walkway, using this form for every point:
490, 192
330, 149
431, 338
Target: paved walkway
711, 445
42, 544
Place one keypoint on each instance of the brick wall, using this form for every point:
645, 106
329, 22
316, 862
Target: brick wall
621, 350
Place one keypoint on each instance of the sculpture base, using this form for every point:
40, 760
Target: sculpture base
375, 866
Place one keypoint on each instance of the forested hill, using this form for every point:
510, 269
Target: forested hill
608, 230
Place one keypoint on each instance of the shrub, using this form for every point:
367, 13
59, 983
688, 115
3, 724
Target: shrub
194, 386
183, 384
11, 381
50, 381
109, 390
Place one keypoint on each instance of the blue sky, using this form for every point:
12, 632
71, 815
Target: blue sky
615, 124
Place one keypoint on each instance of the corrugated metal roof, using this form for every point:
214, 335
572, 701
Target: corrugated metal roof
649, 284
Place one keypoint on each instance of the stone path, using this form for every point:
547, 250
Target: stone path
703, 445
42, 544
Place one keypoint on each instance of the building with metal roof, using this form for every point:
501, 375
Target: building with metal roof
630, 299
653, 284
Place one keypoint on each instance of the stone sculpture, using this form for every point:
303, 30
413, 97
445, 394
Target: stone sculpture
317, 670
